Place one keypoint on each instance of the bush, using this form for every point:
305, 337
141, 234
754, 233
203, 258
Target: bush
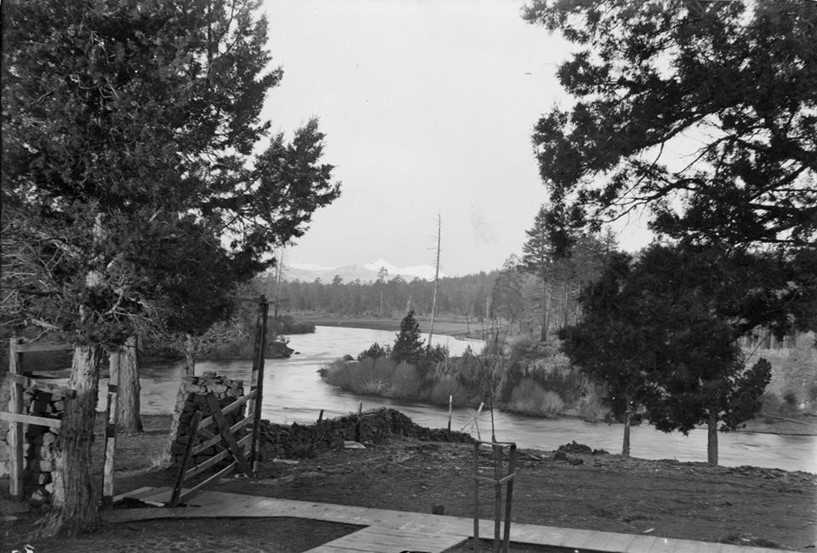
375, 351
287, 325
790, 398
431, 357
591, 406
772, 405
405, 382
374, 387
532, 399
449, 386
367, 376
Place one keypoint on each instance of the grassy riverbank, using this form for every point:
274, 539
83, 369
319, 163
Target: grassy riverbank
458, 328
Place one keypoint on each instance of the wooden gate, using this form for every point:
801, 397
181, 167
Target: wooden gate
241, 451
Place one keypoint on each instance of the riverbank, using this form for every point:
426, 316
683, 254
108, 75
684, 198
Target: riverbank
446, 326
744, 505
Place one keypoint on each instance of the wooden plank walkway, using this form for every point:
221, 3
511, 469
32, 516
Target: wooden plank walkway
386, 531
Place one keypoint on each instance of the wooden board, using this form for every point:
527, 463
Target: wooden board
385, 539
387, 530
30, 419
30, 383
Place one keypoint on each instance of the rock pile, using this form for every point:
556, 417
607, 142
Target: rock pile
39, 446
375, 426
192, 397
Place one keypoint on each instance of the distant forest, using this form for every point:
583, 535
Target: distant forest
509, 294
466, 296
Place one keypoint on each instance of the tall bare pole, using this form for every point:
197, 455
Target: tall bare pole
436, 280
279, 269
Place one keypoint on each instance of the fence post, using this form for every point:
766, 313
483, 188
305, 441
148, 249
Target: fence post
258, 379
15, 435
110, 429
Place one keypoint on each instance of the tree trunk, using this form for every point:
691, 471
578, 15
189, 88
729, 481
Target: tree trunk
565, 297
712, 438
625, 447
545, 319
189, 357
130, 421
75, 505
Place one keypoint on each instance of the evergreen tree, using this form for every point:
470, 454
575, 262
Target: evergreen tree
610, 344
740, 77
127, 132
506, 295
409, 345
537, 259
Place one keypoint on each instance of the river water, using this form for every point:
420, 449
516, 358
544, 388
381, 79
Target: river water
294, 392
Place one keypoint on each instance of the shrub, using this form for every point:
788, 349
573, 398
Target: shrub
790, 398
367, 376
591, 406
772, 405
449, 386
532, 399
287, 325
375, 351
431, 357
405, 382
337, 373
374, 387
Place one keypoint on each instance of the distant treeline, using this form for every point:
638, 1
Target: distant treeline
510, 294
466, 296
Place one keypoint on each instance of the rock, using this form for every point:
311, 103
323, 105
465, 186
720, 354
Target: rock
349, 444
574, 447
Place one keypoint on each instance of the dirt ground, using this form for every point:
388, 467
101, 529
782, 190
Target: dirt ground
741, 505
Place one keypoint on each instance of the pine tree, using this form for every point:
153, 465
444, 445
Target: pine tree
409, 345
537, 259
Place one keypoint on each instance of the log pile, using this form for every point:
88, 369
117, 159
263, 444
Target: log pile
191, 398
375, 426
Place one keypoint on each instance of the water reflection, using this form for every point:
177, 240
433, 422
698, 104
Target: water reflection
294, 392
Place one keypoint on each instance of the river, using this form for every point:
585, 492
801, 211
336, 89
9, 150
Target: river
293, 392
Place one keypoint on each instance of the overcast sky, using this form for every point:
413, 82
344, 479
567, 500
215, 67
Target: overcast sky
428, 108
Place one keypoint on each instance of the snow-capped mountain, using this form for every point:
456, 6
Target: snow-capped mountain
365, 273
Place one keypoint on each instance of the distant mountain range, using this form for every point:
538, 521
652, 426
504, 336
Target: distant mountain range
349, 273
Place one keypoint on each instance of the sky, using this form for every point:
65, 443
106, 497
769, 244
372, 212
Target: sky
428, 108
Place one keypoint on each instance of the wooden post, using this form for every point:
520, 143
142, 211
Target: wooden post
476, 495
476, 420
320, 417
450, 406
509, 496
497, 451
110, 430
436, 281
359, 425
257, 384
15, 434
498, 480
